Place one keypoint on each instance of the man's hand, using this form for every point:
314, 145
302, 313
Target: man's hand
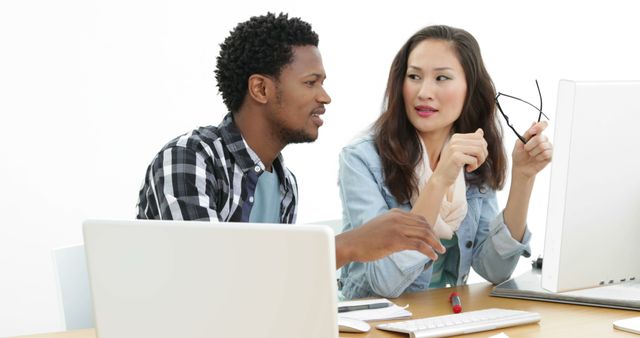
394, 231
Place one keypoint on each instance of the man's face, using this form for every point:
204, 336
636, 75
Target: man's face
300, 97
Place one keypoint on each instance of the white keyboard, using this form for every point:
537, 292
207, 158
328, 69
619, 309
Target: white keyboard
461, 323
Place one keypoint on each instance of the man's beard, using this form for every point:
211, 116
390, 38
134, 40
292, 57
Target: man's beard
286, 135
290, 136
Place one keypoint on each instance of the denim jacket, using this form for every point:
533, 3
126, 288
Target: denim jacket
484, 241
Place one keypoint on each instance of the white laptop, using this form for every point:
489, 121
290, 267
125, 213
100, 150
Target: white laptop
198, 279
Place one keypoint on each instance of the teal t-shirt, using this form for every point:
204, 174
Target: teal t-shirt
266, 205
441, 276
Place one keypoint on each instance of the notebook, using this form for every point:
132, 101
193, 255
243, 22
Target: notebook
386, 312
167, 279
528, 286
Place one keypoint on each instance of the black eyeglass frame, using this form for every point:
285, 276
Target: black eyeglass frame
506, 118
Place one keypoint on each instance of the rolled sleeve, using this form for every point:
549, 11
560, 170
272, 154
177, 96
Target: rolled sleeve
498, 252
391, 276
506, 246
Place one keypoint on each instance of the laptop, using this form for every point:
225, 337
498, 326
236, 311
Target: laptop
166, 279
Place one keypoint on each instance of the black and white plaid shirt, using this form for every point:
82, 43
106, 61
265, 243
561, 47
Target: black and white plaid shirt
210, 174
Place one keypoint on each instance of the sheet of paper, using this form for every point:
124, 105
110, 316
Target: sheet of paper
391, 312
500, 335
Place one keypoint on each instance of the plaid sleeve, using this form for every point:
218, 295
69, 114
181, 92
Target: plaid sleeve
181, 185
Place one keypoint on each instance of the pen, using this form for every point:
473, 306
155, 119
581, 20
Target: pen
456, 305
363, 307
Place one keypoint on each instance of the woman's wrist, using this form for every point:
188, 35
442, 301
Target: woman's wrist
436, 183
522, 176
430, 198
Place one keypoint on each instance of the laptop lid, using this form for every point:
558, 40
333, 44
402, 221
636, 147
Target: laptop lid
198, 279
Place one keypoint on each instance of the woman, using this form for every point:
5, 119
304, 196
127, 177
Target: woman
437, 150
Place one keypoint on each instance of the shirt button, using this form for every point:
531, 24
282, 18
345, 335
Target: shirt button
469, 244
257, 168
251, 199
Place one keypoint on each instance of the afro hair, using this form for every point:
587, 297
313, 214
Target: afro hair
262, 45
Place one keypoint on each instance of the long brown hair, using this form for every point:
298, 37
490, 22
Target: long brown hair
396, 139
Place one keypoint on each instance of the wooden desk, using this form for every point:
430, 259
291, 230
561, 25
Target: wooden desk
558, 320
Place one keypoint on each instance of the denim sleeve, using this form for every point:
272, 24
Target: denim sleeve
497, 253
362, 198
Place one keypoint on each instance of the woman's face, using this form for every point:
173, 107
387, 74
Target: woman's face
434, 87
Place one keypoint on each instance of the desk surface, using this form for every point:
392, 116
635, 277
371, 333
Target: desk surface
558, 320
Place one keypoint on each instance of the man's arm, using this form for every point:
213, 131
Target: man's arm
178, 186
393, 231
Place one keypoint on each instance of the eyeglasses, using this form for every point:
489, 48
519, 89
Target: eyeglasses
513, 103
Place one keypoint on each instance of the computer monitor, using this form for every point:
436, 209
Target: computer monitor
593, 218
167, 279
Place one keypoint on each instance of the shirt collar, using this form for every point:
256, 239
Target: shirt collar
245, 157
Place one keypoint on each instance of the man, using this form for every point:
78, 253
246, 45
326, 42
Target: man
271, 77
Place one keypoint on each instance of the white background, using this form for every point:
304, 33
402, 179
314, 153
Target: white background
90, 91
